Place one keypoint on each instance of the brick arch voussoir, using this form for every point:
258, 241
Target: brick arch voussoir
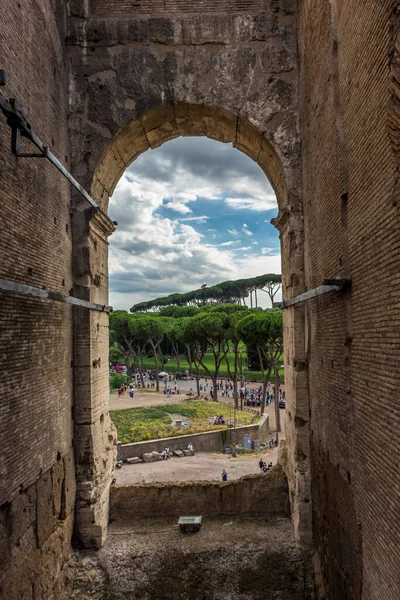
169, 121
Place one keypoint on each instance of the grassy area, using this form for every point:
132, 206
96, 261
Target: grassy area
153, 422
172, 366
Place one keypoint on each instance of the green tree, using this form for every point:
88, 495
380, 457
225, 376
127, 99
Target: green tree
208, 332
175, 335
121, 338
150, 330
264, 330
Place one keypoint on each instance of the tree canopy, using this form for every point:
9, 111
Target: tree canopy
225, 292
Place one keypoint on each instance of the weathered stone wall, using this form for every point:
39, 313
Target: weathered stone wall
209, 441
228, 76
350, 119
264, 496
37, 479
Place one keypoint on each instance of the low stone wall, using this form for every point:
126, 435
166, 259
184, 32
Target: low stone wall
210, 441
264, 496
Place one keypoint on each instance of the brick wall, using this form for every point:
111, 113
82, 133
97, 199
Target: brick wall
37, 480
129, 8
350, 178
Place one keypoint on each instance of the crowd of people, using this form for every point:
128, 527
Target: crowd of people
249, 396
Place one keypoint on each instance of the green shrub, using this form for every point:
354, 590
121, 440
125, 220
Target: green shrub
117, 379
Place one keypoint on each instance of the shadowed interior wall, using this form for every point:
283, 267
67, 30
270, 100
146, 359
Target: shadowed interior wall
350, 117
37, 479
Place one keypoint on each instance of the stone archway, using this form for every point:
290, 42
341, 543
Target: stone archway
154, 128
169, 121
136, 83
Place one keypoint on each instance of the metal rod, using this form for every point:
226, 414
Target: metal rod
20, 125
329, 285
28, 290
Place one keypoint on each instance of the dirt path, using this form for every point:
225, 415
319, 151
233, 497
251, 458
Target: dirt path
200, 467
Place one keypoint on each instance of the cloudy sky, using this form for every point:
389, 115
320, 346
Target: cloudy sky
191, 212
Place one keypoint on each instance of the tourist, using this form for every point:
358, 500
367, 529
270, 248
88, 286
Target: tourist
190, 447
165, 454
261, 464
224, 475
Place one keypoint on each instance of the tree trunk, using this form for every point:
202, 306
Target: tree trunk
235, 373
128, 366
141, 378
255, 296
260, 357
176, 352
215, 391
155, 354
276, 394
197, 380
189, 358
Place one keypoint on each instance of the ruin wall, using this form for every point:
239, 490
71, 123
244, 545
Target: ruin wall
264, 496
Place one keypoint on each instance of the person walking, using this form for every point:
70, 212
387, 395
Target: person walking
224, 475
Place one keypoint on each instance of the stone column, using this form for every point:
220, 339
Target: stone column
297, 419
94, 434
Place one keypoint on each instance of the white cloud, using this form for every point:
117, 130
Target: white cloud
152, 255
231, 243
267, 250
178, 206
259, 204
247, 231
202, 219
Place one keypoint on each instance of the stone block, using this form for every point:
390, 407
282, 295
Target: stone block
110, 169
134, 460
248, 139
151, 457
167, 131
44, 512
57, 476
131, 141
157, 117
190, 118
22, 513
220, 124
179, 453
70, 483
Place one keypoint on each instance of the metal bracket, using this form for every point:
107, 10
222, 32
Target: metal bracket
328, 286
28, 290
20, 126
